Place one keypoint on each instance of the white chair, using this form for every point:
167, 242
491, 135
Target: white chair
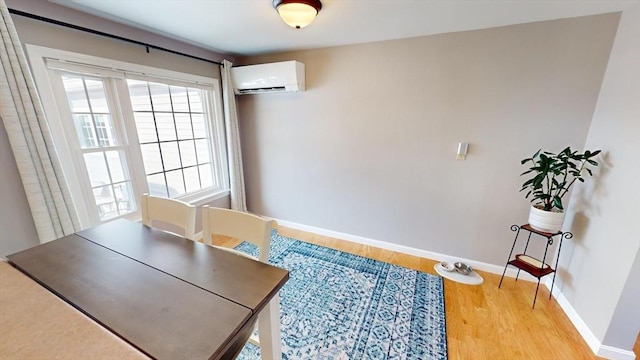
256, 230
173, 212
239, 225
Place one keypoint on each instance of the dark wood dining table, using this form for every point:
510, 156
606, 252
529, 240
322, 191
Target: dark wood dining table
169, 297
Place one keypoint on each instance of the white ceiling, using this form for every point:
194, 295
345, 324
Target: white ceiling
250, 27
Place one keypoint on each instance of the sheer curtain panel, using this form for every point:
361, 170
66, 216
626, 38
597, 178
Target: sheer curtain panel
21, 112
236, 175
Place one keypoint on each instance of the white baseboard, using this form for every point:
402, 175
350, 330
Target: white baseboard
577, 321
605, 351
610, 352
490, 268
593, 342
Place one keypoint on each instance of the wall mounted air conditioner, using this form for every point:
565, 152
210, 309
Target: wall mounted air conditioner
272, 77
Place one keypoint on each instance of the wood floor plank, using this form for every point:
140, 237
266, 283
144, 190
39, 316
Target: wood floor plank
483, 322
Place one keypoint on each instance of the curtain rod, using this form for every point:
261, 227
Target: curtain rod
96, 32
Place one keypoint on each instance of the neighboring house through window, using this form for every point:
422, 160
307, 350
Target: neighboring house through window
122, 130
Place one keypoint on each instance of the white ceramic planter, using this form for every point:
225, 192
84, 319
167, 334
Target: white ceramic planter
548, 221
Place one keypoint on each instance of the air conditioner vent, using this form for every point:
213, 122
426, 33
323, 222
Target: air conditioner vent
261, 90
265, 78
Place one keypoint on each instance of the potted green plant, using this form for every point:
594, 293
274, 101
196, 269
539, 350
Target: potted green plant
552, 175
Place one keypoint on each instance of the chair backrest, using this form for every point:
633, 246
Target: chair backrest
239, 225
170, 211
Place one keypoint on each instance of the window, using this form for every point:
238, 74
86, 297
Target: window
104, 157
122, 130
171, 127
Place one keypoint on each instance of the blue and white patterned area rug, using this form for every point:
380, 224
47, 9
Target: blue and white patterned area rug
341, 306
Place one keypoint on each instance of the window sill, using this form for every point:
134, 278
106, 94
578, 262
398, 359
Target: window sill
200, 199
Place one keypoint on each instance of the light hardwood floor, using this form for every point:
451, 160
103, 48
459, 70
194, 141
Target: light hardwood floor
483, 322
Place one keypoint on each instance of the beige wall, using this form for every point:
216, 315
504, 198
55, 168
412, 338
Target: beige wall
369, 148
16, 224
602, 280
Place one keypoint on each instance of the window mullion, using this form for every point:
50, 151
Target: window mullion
91, 113
133, 152
118, 96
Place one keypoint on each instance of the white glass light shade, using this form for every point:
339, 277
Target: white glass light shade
297, 15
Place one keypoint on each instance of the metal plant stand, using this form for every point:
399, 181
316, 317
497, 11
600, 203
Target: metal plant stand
526, 263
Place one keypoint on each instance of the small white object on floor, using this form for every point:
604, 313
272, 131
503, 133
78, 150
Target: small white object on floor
473, 278
447, 266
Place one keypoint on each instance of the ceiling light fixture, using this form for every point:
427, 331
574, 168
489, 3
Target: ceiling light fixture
297, 13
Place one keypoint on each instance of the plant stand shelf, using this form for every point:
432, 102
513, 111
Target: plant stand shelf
537, 268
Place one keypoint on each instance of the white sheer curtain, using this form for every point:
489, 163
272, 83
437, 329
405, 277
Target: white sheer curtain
234, 154
21, 112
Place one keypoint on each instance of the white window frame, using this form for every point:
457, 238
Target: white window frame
66, 142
